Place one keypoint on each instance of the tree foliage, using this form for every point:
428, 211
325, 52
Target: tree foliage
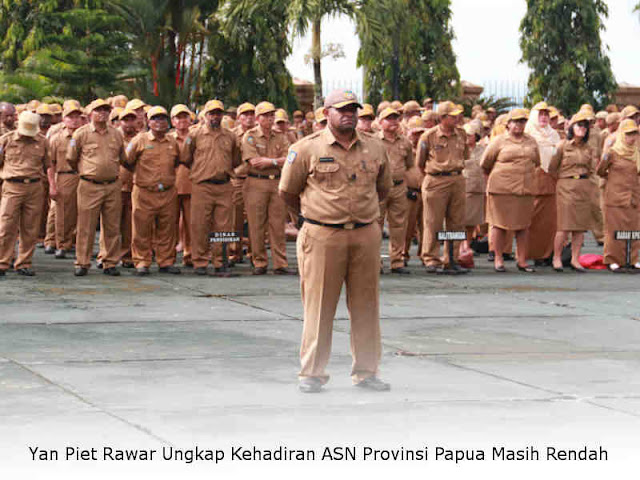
560, 42
411, 57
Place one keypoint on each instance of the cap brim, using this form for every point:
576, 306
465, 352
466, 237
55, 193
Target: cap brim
345, 103
27, 132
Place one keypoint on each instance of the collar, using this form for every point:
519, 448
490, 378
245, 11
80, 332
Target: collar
330, 138
92, 126
380, 135
153, 138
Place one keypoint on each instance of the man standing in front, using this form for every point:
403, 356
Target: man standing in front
336, 178
96, 151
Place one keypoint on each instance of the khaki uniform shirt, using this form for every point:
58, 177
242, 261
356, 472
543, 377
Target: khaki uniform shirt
473, 173
58, 147
97, 156
155, 161
4, 129
55, 129
440, 152
414, 176
400, 154
126, 176
183, 182
256, 144
23, 157
511, 163
337, 185
212, 154
622, 188
571, 160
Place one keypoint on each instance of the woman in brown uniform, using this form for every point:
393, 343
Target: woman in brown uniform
573, 164
475, 183
510, 161
621, 200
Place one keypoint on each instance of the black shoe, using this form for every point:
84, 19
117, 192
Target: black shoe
99, 265
500, 269
80, 271
491, 256
259, 271
111, 271
200, 270
373, 384
60, 254
49, 250
527, 269
400, 271
310, 385
2, 273
187, 264
578, 269
458, 269
219, 269
27, 272
172, 269
508, 257
143, 271
432, 268
128, 265
283, 271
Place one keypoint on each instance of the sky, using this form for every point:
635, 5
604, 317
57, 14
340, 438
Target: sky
486, 34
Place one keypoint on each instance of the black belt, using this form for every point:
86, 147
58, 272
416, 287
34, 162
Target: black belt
445, 174
216, 182
344, 226
268, 177
22, 180
417, 190
69, 172
98, 182
398, 182
578, 177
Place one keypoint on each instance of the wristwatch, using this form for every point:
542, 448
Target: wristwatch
275, 162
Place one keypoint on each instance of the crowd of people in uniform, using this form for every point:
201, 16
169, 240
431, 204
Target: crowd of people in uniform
157, 182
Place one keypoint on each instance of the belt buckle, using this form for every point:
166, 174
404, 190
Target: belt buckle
349, 226
160, 187
576, 177
26, 180
272, 177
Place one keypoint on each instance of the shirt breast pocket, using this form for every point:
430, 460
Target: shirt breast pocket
328, 176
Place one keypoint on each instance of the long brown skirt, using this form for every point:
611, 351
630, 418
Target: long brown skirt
573, 200
620, 218
509, 212
543, 227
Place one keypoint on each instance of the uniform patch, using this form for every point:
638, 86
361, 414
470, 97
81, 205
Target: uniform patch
187, 141
291, 157
326, 160
423, 144
148, 147
129, 148
251, 141
72, 143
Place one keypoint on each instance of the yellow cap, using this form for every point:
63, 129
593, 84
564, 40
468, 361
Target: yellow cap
382, 105
71, 102
310, 116
156, 111
429, 115
491, 109
629, 111
213, 105
71, 106
517, 114
449, 108
246, 107
178, 109
553, 112
471, 128
589, 113
97, 103
541, 106
55, 108
135, 104
115, 113
366, 111
281, 116
613, 117
581, 116
628, 126
128, 111
387, 112
33, 105
44, 109
265, 107
602, 115
28, 124
119, 101
561, 120
396, 105
298, 113
586, 106
341, 98
320, 115
416, 123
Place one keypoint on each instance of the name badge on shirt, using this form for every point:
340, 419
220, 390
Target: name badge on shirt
326, 160
148, 147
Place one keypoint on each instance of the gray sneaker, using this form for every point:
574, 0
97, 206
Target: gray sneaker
373, 383
310, 385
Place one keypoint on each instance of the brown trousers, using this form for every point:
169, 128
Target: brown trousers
620, 218
444, 200
50, 230
66, 210
44, 216
395, 207
184, 226
235, 249
95, 202
597, 211
210, 211
155, 226
414, 226
20, 211
265, 208
327, 258
542, 231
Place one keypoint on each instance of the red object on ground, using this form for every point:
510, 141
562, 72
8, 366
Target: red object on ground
592, 261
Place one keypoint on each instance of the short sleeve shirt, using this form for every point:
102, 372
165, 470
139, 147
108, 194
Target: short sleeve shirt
98, 155
211, 153
256, 143
154, 159
23, 157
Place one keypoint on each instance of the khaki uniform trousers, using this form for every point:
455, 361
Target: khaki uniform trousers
620, 218
20, 211
414, 226
327, 258
597, 213
50, 233
66, 210
154, 226
264, 206
395, 207
126, 230
235, 248
44, 216
444, 200
102, 202
184, 226
210, 211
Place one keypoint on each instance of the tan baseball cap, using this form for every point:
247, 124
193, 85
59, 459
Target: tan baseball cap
517, 114
28, 124
582, 115
416, 123
366, 111
449, 108
180, 108
601, 115
628, 126
55, 108
629, 111
298, 113
115, 113
97, 103
429, 115
128, 111
387, 112
341, 98
613, 117
156, 111
119, 101
135, 104
44, 109
213, 105
246, 107
281, 116
71, 106
265, 107
541, 106
320, 115
411, 106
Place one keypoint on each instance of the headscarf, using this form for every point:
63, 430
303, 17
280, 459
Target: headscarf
546, 137
630, 152
500, 126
